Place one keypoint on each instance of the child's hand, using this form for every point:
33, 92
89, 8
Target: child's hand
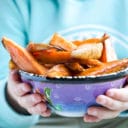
20, 93
115, 101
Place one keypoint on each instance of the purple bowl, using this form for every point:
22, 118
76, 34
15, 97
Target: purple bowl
72, 96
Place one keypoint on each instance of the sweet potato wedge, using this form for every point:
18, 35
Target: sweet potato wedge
59, 41
32, 47
90, 62
23, 59
109, 67
108, 53
58, 71
51, 56
91, 40
88, 51
75, 67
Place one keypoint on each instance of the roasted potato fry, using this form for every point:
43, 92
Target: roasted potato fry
90, 62
23, 59
58, 71
59, 41
108, 53
49, 65
61, 58
109, 67
91, 40
75, 67
88, 51
32, 47
51, 56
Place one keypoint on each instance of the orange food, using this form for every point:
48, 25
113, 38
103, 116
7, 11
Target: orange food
89, 48
109, 67
23, 59
59, 41
91, 40
108, 53
95, 56
75, 67
90, 62
32, 47
58, 70
51, 56
88, 51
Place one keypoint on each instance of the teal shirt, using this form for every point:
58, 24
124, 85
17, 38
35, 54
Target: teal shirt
37, 20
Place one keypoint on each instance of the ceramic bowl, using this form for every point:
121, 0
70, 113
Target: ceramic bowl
72, 96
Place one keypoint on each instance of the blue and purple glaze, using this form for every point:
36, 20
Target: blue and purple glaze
71, 97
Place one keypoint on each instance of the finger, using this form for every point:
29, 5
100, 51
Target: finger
38, 109
47, 113
22, 89
14, 76
29, 100
118, 94
111, 104
90, 118
102, 113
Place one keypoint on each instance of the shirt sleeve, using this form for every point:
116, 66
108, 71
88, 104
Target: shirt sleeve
12, 25
124, 114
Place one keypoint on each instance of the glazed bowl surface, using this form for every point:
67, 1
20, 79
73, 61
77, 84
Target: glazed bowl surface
72, 96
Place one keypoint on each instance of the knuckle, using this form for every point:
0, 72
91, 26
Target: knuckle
47, 113
116, 105
42, 108
18, 89
101, 115
38, 109
31, 111
110, 104
24, 102
120, 106
20, 102
22, 89
31, 100
36, 98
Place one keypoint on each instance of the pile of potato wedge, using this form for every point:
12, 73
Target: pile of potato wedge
62, 58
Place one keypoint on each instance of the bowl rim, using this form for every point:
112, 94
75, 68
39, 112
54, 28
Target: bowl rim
75, 79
